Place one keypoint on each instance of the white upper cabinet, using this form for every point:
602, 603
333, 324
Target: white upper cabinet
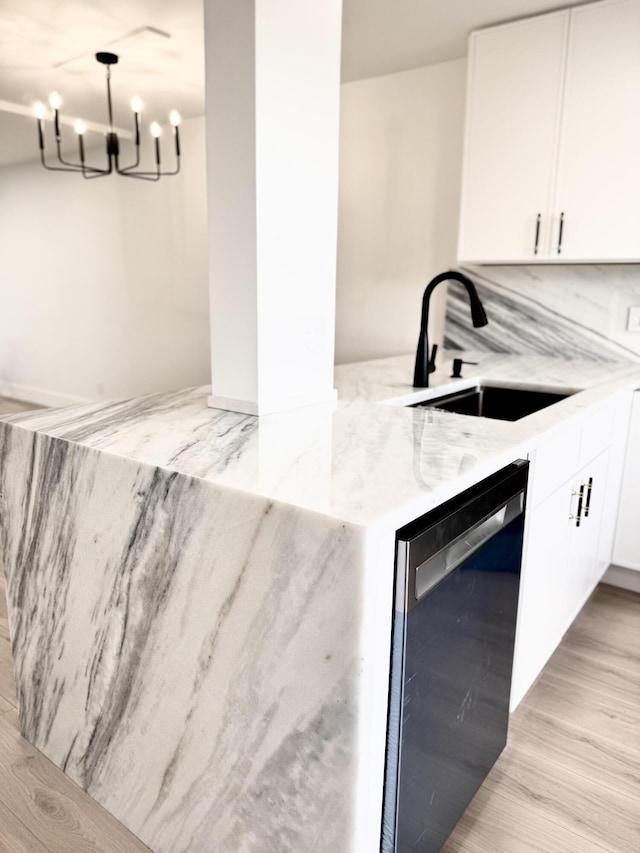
599, 163
551, 169
515, 71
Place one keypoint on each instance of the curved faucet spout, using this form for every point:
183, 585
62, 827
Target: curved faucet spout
425, 364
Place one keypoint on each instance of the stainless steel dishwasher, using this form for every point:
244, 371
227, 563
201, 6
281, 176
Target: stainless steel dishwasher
457, 582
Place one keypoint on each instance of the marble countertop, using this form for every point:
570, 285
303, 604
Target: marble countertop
243, 567
367, 460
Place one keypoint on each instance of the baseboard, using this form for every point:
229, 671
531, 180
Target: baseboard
41, 396
623, 578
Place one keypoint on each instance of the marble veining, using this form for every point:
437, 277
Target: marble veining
571, 311
356, 462
187, 654
199, 601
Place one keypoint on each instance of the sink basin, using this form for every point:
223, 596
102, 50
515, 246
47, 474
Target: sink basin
492, 401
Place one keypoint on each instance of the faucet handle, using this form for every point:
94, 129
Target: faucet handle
432, 358
457, 367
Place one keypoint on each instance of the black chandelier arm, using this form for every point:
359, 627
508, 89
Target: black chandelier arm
125, 169
128, 171
97, 173
89, 172
70, 168
136, 130
150, 176
78, 167
141, 176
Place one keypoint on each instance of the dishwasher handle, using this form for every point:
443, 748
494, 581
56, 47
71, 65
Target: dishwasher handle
434, 545
439, 565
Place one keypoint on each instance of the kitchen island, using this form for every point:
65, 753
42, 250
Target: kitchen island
200, 601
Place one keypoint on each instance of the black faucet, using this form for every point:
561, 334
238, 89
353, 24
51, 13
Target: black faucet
426, 364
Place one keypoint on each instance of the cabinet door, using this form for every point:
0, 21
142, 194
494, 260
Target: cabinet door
613, 486
512, 129
540, 623
599, 167
626, 549
581, 571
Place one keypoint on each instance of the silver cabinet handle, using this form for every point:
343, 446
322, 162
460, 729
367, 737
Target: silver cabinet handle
578, 516
560, 230
537, 240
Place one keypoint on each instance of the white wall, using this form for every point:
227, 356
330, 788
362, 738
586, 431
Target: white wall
400, 171
103, 283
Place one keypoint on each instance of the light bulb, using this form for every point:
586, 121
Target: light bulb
136, 104
155, 129
79, 127
39, 110
174, 118
55, 101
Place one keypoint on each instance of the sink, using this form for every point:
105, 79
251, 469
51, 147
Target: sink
493, 401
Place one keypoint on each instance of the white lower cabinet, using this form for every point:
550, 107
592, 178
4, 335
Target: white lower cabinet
540, 611
626, 550
568, 535
580, 574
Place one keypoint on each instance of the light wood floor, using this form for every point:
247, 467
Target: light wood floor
12, 407
568, 781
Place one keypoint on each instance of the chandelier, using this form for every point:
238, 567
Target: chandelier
111, 138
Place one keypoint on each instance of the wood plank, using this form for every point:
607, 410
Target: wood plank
583, 806
608, 608
495, 824
9, 406
607, 639
588, 709
7, 680
605, 761
599, 671
620, 598
4, 615
14, 835
3, 593
56, 811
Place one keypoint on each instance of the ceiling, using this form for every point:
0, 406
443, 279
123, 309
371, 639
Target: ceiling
49, 45
384, 36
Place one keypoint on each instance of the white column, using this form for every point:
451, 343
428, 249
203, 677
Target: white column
272, 107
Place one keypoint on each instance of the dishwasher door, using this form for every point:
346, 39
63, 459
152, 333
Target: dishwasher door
457, 582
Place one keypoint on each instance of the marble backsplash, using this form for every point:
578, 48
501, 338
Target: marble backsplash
572, 311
